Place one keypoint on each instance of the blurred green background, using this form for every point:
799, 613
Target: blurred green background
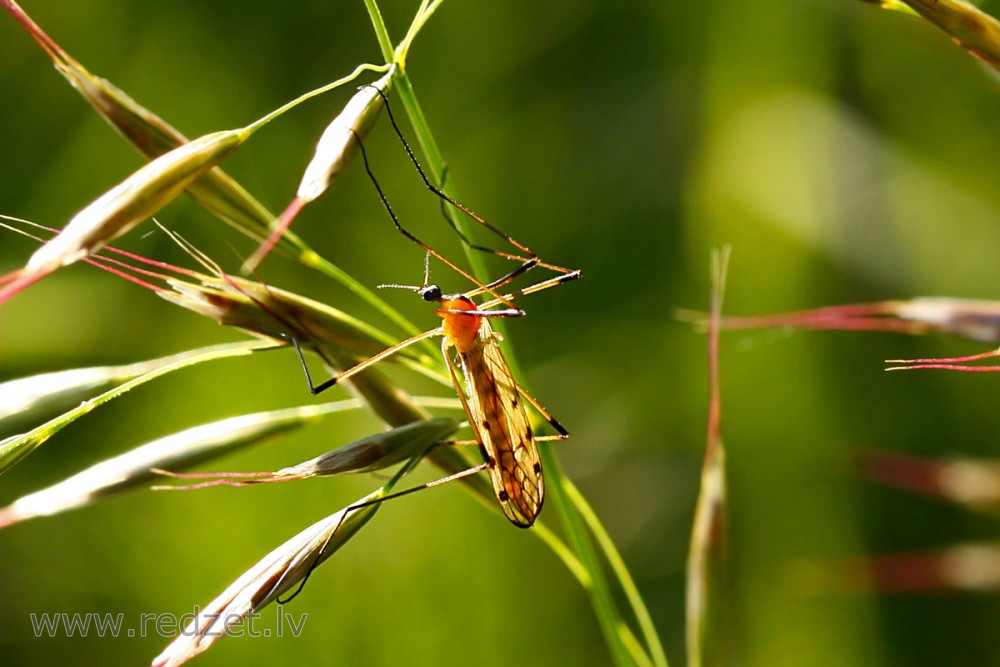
847, 154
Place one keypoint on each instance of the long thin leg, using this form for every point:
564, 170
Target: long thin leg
530, 289
451, 223
460, 443
291, 337
503, 280
353, 508
344, 375
405, 232
460, 390
510, 312
563, 433
464, 209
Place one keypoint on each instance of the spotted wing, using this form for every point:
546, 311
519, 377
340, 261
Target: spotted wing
501, 425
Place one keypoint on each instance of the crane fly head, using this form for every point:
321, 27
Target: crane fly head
430, 293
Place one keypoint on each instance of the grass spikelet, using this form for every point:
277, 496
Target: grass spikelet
25, 398
177, 451
971, 319
378, 451
375, 452
136, 198
274, 313
968, 567
969, 482
706, 570
31, 399
127, 204
273, 575
294, 319
962, 567
852, 317
216, 192
970, 27
336, 148
152, 135
15, 448
339, 339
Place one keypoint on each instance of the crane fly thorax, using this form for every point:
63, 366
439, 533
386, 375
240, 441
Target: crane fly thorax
462, 330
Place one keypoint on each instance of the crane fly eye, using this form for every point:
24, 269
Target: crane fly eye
430, 293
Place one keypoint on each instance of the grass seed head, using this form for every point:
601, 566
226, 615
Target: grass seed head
177, 451
378, 451
133, 200
34, 398
273, 575
339, 142
973, 319
336, 148
274, 313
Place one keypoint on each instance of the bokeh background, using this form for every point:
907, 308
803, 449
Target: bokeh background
846, 154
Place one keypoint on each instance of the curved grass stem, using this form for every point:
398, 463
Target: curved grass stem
582, 559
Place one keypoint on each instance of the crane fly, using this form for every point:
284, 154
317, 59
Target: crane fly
491, 404
488, 392
490, 396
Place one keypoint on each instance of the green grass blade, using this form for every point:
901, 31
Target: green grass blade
175, 452
618, 567
16, 448
601, 597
